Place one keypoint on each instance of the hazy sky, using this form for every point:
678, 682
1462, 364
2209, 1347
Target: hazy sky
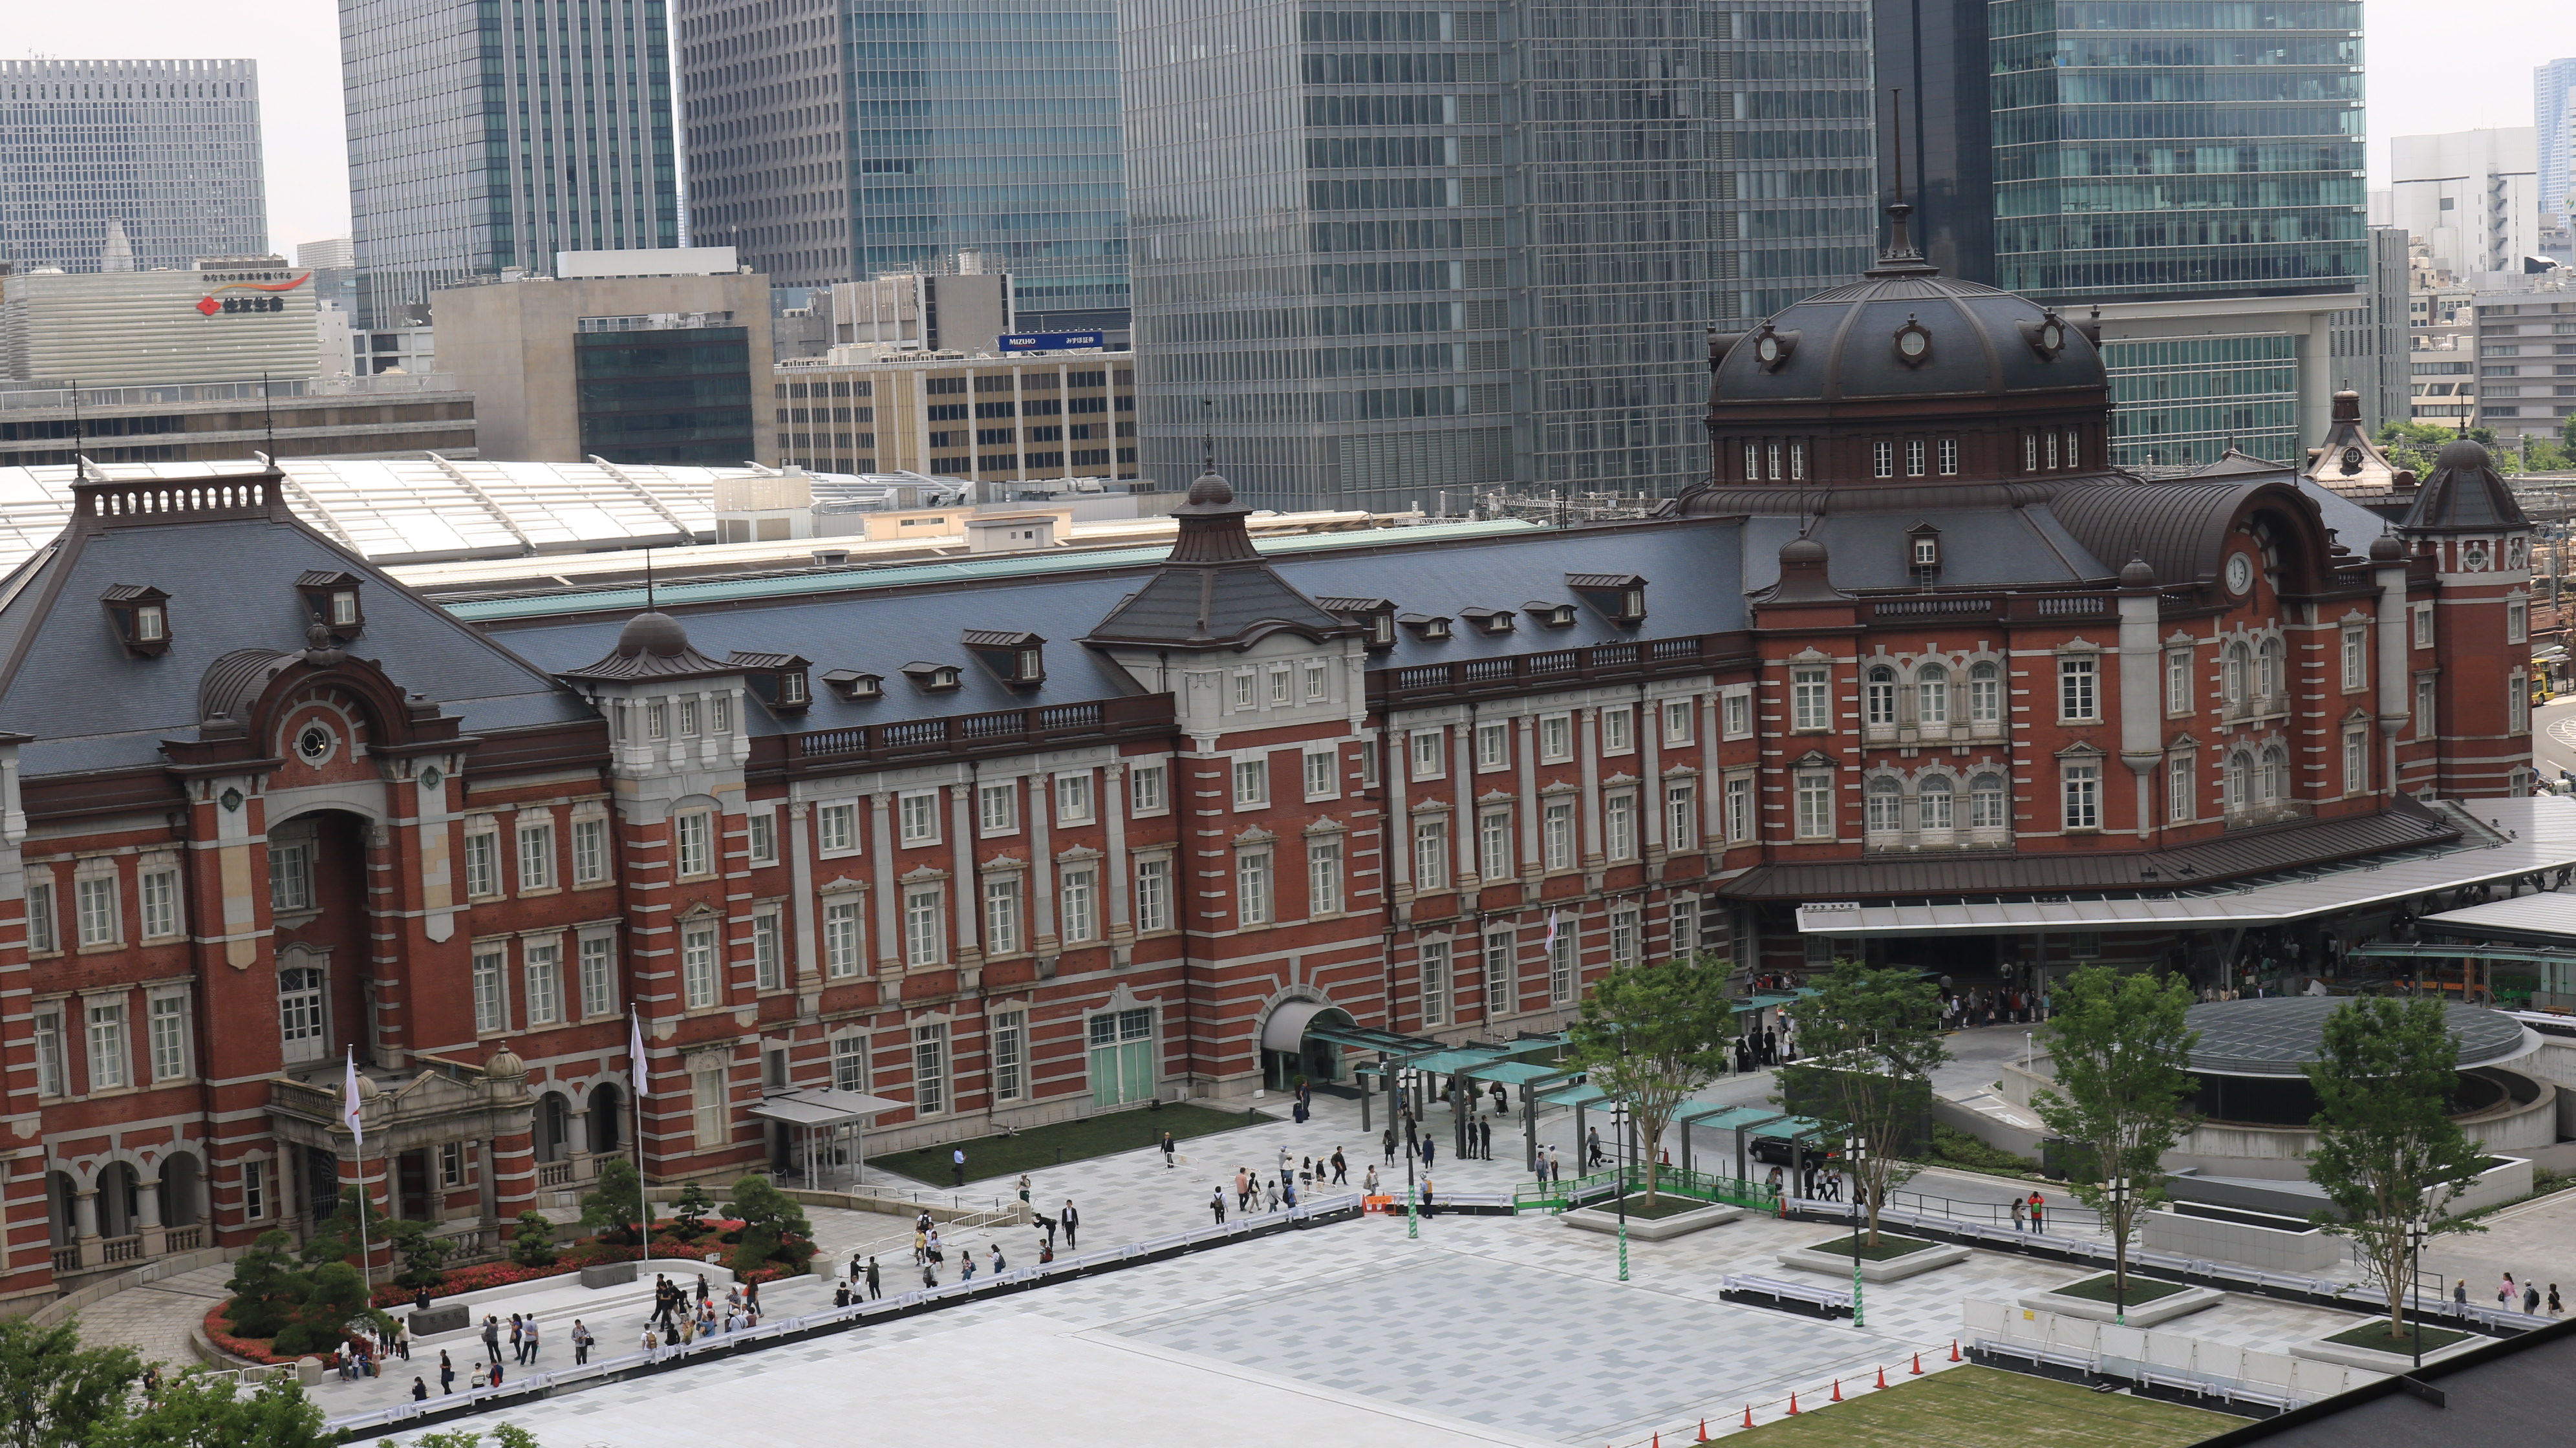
2435, 65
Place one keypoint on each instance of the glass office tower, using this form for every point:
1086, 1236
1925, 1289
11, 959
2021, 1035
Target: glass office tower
2178, 148
486, 134
1401, 255
168, 148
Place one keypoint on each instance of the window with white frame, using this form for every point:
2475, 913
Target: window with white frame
2271, 662
1252, 894
1934, 799
2356, 762
930, 1069
536, 854
1624, 938
689, 718
710, 1107
598, 973
49, 1051
2356, 658
2423, 615
1949, 451
451, 1164
1431, 852
1073, 798
1324, 876
170, 1035
1429, 753
1555, 738
43, 936
1077, 897
1494, 842
1739, 810
1678, 714
694, 835
2517, 703
1814, 790
657, 720
1556, 834
1493, 747
255, 1191
1146, 793
1560, 966
95, 905
760, 828
1985, 693
1500, 970
841, 957
925, 939
1882, 807
110, 1055
1986, 804
157, 891
1318, 770
1279, 683
1810, 705
1681, 816
2182, 781
917, 815
1619, 730
1619, 825
1154, 894
2517, 621
1010, 1054
1247, 687
698, 965
850, 1064
1932, 696
1315, 683
768, 951
836, 825
590, 849
2427, 696
1251, 782
1735, 713
541, 967
2077, 682
1369, 751
997, 807
1002, 915
290, 873
482, 865
1435, 982
1882, 460
2177, 681
1681, 928
1878, 697
2080, 789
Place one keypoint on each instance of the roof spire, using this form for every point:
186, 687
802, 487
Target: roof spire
1902, 257
649, 606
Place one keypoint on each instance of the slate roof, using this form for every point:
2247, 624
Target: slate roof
2465, 495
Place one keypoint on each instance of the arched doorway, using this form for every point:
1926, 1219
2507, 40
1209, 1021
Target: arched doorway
553, 1127
119, 1200
317, 882
607, 1132
1290, 1049
183, 1191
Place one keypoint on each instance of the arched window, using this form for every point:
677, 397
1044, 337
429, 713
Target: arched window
1932, 805
1885, 813
1878, 696
2269, 671
2238, 780
1985, 693
1986, 803
1932, 695
300, 1018
2274, 785
2238, 662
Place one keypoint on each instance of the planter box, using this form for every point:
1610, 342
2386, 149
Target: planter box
2140, 1314
2395, 1364
1595, 1219
2256, 1239
431, 1321
1894, 1269
608, 1274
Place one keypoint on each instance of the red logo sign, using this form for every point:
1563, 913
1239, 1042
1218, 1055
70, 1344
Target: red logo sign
209, 306
263, 297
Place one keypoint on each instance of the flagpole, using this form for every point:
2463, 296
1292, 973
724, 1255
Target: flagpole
643, 1200
353, 1112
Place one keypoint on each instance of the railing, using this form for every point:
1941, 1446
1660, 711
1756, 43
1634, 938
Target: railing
121, 1249
2052, 604
1938, 603
2051, 1214
183, 1239
1522, 668
1559, 1196
554, 1174
66, 1260
1003, 726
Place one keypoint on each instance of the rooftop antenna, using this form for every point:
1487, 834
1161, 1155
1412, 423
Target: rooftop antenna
268, 420
80, 464
1207, 420
648, 581
1900, 241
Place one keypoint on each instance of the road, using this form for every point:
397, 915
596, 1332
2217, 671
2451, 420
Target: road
2553, 737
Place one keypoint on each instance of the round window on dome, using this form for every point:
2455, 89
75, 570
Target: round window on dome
1913, 343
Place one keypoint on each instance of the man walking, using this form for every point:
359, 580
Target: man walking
1167, 1151
1388, 1141
1485, 1139
580, 1343
874, 1291
957, 1164
1242, 1190
1341, 1169
1429, 1147
1216, 1204
1072, 1221
528, 1344
492, 1338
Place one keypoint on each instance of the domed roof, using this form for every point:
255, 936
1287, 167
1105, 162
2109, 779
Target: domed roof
1802, 550
1208, 488
2386, 549
2139, 573
655, 633
2465, 494
505, 1065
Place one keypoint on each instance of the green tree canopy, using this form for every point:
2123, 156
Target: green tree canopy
608, 1209
1868, 1032
1650, 1035
196, 1411
54, 1393
2119, 1047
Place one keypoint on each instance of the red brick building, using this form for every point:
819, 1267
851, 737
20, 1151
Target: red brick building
1014, 839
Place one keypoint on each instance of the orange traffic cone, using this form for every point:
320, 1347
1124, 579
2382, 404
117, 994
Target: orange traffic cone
1748, 1415
1703, 1431
1793, 1405
1659, 1439
1882, 1377
1954, 1349
1918, 1366
1838, 1390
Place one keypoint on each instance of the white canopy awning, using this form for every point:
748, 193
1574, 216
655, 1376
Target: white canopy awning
823, 1107
1286, 1028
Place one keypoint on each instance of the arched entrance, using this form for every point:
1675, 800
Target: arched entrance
1289, 1048
317, 873
183, 1191
605, 1128
553, 1127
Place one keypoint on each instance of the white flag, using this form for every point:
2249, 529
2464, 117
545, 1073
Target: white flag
349, 1101
635, 1048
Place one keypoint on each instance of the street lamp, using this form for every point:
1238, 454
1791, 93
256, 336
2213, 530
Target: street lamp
1858, 1150
2119, 1188
2417, 1229
1619, 1192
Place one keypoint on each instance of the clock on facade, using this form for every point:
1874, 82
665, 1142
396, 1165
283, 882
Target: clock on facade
2240, 573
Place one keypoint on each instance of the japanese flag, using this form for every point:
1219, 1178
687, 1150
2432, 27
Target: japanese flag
349, 1105
635, 1048
1550, 943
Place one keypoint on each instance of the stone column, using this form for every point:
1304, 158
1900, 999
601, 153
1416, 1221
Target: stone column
1533, 809
800, 874
147, 1217
1041, 890
965, 950
1650, 789
85, 1225
579, 1144
1587, 723
1116, 887
889, 885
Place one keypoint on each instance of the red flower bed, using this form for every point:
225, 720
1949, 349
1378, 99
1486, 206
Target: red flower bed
257, 1349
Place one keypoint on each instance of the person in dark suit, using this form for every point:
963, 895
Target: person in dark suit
1072, 1221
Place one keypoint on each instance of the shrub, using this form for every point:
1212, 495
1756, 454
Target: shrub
533, 1244
1949, 1144
689, 1214
423, 1256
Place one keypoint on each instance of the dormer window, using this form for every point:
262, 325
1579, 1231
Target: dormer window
855, 686
141, 616
1550, 615
933, 678
1425, 626
1618, 597
1923, 552
331, 600
779, 679
1017, 659
1488, 620
1377, 615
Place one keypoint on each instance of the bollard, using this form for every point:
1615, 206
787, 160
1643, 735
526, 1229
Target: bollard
1918, 1365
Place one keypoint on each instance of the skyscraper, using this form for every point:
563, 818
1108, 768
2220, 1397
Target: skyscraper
2553, 113
168, 148
486, 134
832, 140
1380, 254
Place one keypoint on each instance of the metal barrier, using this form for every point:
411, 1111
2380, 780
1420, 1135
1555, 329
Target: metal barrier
1561, 1196
1826, 1301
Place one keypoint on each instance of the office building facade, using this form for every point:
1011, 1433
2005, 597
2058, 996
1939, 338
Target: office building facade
323, 417
2553, 114
1390, 255
168, 150
992, 419
489, 136
832, 142
226, 319
2474, 197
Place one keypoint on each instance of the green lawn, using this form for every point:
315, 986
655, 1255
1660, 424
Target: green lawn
1974, 1407
2098, 1289
1889, 1245
2374, 1335
1044, 1146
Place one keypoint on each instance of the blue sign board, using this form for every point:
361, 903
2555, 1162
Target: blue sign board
1049, 341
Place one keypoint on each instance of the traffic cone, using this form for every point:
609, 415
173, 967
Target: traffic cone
1838, 1390
1793, 1405
1703, 1431
1918, 1366
1954, 1349
1748, 1415
1882, 1377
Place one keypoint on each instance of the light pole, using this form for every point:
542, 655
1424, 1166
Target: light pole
1619, 1192
1412, 1224
2417, 1229
2119, 1186
1858, 1150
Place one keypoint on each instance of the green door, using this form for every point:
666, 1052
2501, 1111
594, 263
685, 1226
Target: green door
1122, 1058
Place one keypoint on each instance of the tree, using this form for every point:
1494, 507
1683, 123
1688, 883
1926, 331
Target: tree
608, 1209
2120, 1050
54, 1393
335, 1301
533, 1243
689, 1213
1650, 1035
772, 1215
2387, 1149
1869, 1033
423, 1257
198, 1411
266, 1286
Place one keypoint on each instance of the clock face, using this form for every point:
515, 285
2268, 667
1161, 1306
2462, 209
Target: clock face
2240, 573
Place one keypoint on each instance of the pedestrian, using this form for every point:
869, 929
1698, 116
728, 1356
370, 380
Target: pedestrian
1216, 1204
419, 1391
1290, 1196
1167, 1151
1341, 1169
938, 1257
702, 1289
957, 1164
1485, 1139
1388, 1140
2020, 1214
652, 1344
2506, 1292
1274, 1196
492, 1337
497, 1374
1555, 1166
2460, 1292
1427, 1210
2531, 1298
1000, 1266
966, 1267
1429, 1146
1024, 1186
1283, 1165
874, 1291
1368, 1183
402, 1340
751, 1299
2554, 1309
1242, 1190
581, 1341
2038, 1206
929, 1276
1592, 1146
528, 1345
1072, 1222
446, 1373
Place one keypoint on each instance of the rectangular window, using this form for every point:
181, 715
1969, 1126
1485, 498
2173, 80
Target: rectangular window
2178, 681
1618, 730
1078, 903
290, 873
1002, 916
919, 816
1246, 688
1252, 888
925, 942
1314, 683
841, 956
997, 807
695, 832
159, 889
255, 1190
1430, 758
94, 902
108, 1068
1736, 718
2356, 763
2181, 800
1493, 747
2517, 703
482, 865
1677, 720
42, 937
929, 1070
1435, 982
1623, 937
590, 851
170, 1038
451, 1164
1010, 1052
1556, 834
1914, 457
1153, 894
1251, 782
49, 1052
1501, 990
698, 966
763, 836
1809, 706
1619, 826
836, 826
1682, 925
1145, 790
768, 960
1324, 877
710, 1112
1949, 451
2075, 690
1369, 751
1278, 686
1431, 854
2425, 695
1560, 967
536, 856
2517, 622
1319, 774
1073, 799
850, 1064
1681, 817
2356, 656
688, 718
1882, 460
542, 964
2423, 625
2082, 787
657, 720
1494, 844
1815, 806
1555, 738
1739, 811
598, 974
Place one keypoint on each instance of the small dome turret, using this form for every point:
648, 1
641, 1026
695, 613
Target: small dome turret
2386, 549
653, 633
505, 1067
2138, 574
